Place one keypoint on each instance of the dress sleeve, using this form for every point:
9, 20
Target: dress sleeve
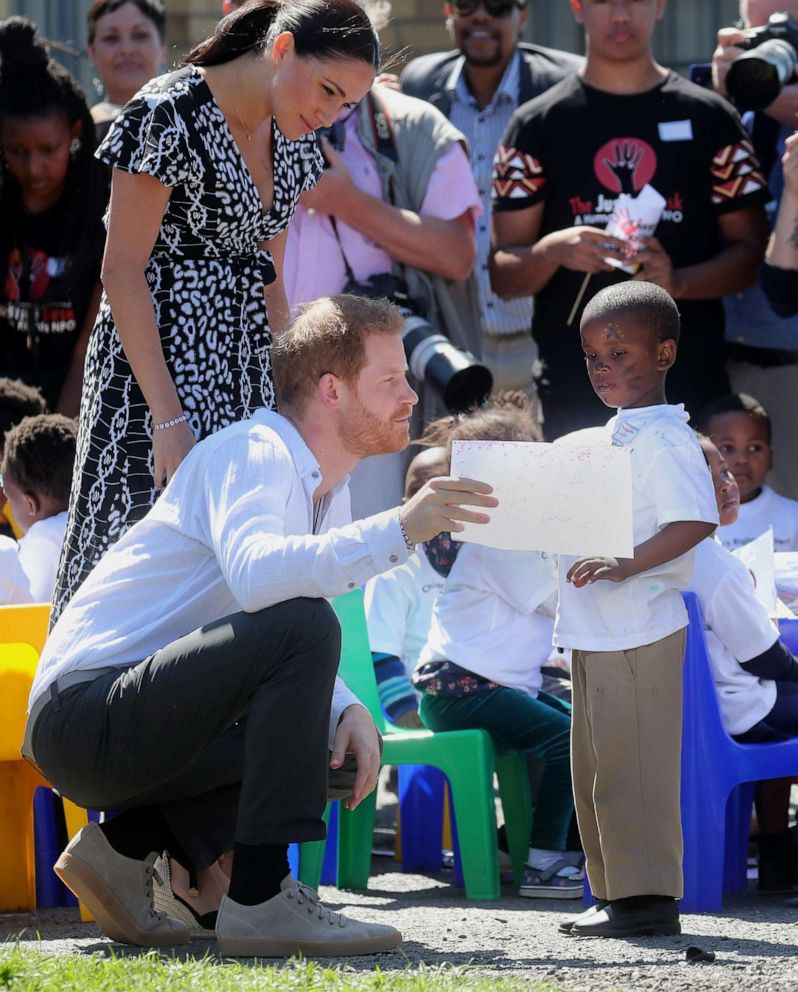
311, 163
149, 136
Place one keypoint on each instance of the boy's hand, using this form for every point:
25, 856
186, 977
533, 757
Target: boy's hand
441, 505
588, 570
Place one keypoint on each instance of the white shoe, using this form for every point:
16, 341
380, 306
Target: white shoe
296, 922
117, 891
167, 902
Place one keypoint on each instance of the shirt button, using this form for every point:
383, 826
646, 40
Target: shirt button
315, 475
351, 585
394, 558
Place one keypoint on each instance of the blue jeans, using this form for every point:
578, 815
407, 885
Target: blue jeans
518, 722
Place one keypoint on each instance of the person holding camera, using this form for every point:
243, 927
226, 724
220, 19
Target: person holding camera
763, 344
780, 272
621, 124
478, 85
392, 215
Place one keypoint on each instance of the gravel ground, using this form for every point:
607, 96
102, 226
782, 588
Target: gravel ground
754, 941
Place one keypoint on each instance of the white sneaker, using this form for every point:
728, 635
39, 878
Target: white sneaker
296, 922
117, 891
167, 902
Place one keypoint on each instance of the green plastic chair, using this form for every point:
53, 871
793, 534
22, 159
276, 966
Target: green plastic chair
467, 758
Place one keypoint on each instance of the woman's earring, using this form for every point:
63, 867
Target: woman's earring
74, 147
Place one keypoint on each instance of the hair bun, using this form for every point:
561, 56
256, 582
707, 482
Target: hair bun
20, 51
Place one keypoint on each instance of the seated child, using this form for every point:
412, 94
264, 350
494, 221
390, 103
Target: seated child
399, 604
37, 475
17, 400
480, 667
756, 677
625, 621
739, 427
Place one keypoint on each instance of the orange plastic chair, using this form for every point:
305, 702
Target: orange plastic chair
23, 630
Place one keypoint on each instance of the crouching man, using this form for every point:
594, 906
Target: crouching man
191, 681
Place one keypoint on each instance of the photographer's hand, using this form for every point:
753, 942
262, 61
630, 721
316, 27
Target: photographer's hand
441, 505
728, 49
334, 188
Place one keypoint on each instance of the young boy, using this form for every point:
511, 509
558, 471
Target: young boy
37, 475
17, 400
739, 427
625, 620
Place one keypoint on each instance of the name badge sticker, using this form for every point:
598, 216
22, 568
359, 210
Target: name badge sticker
676, 130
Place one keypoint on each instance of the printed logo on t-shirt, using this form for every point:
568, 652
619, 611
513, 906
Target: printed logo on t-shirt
516, 175
625, 165
32, 292
735, 172
624, 434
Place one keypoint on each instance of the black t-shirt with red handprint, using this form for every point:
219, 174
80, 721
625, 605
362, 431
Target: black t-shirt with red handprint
44, 295
575, 149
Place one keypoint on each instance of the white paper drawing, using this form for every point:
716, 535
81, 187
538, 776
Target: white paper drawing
564, 499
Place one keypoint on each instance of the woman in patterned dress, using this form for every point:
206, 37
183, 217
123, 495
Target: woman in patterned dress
208, 164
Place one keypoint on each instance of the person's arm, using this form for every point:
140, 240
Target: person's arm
276, 300
443, 247
783, 247
672, 541
732, 268
784, 108
69, 400
138, 202
357, 735
398, 698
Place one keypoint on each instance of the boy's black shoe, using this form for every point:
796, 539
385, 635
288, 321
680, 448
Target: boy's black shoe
638, 916
778, 862
567, 925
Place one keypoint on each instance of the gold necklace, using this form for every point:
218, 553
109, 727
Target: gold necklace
241, 122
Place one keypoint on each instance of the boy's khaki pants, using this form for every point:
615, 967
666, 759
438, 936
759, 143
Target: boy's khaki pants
626, 736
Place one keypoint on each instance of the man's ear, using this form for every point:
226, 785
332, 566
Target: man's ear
329, 390
666, 354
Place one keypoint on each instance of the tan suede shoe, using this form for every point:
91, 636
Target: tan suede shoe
117, 891
295, 922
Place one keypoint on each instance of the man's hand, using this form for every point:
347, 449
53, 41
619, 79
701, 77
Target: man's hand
409, 721
441, 505
357, 735
728, 49
334, 188
588, 570
656, 266
583, 249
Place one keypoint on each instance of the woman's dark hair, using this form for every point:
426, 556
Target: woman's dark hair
323, 29
34, 85
154, 10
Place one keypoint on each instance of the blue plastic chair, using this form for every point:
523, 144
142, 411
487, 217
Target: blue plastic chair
717, 782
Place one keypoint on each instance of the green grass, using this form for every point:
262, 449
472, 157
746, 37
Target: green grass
34, 971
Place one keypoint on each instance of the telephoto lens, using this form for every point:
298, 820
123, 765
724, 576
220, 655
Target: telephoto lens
756, 77
456, 375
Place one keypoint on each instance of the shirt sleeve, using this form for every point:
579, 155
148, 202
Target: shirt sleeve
311, 162
149, 136
246, 489
452, 189
737, 178
680, 485
523, 579
737, 617
386, 607
519, 177
14, 584
38, 558
781, 289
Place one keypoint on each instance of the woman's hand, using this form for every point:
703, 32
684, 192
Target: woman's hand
170, 445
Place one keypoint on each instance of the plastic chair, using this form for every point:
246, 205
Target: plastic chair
466, 757
717, 773
23, 630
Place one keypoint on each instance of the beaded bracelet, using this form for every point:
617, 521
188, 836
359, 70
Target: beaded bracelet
410, 544
171, 423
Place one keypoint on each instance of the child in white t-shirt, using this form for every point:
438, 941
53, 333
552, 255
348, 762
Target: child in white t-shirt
481, 665
399, 604
755, 676
625, 623
739, 427
37, 475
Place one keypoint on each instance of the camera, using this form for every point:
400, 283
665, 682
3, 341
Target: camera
458, 378
756, 77
335, 134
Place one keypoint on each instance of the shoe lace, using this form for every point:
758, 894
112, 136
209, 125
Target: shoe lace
305, 896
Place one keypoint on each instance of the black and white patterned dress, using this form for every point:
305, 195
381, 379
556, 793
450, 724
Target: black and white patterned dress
206, 275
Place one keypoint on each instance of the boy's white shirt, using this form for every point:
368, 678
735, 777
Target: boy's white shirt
232, 531
399, 608
768, 509
491, 617
28, 568
670, 482
737, 628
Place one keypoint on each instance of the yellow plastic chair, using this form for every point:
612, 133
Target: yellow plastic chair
23, 631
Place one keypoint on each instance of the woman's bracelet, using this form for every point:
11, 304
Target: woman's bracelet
171, 423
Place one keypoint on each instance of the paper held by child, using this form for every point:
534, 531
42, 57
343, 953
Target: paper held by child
634, 218
758, 555
563, 499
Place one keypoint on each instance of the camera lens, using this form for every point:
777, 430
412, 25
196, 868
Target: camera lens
755, 78
456, 375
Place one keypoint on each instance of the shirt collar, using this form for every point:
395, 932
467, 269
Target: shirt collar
305, 462
508, 87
